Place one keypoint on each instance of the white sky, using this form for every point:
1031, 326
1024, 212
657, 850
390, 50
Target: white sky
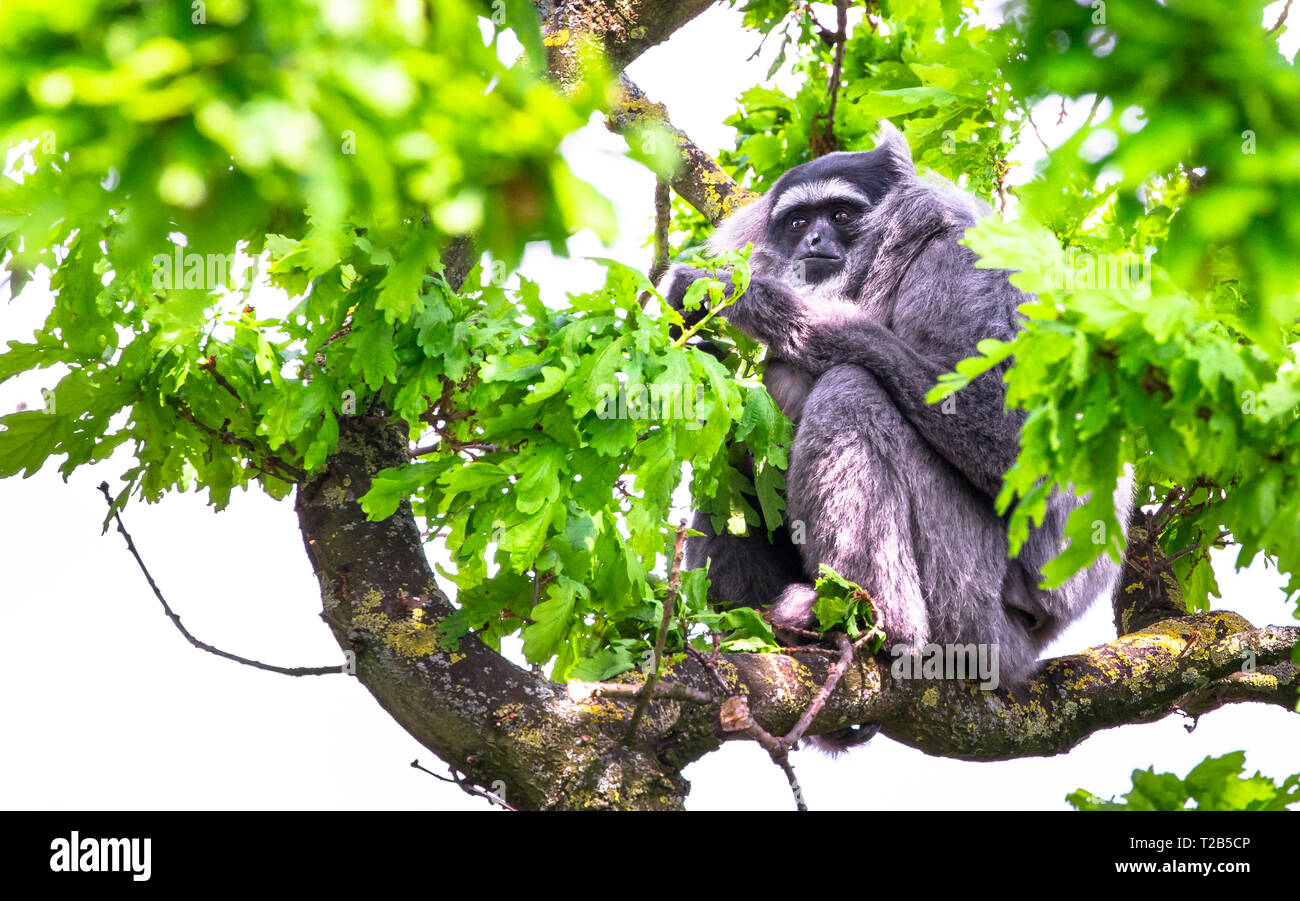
105, 706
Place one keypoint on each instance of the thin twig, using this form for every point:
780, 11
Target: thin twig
1034, 126
673, 691
709, 665
468, 787
783, 761
1281, 20
795, 630
779, 751
1096, 103
841, 38
778, 747
837, 670
1168, 510
204, 646
456, 446
1214, 542
210, 365
670, 602
663, 212
287, 472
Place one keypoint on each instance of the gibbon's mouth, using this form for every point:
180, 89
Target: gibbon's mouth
814, 268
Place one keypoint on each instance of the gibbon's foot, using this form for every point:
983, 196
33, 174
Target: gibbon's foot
792, 608
842, 740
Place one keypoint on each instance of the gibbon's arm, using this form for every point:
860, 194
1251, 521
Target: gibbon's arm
977, 436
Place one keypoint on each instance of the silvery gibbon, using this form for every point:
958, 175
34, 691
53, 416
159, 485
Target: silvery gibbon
863, 297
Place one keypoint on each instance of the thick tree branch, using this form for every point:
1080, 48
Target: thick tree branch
478, 712
700, 181
1190, 663
624, 29
488, 718
1278, 684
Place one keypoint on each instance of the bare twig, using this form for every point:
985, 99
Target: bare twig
776, 748
670, 602
841, 38
663, 209
286, 471
1281, 20
210, 365
1214, 542
838, 669
455, 446
710, 665
795, 630
783, 761
201, 645
1168, 509
468, 787
823, 141
1037, 134
663, 214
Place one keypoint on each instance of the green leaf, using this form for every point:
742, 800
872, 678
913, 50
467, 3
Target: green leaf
552, 619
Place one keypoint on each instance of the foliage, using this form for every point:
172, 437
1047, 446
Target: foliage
843, 605
1216, 783
340, 155
576, 426
917, 64
341, 150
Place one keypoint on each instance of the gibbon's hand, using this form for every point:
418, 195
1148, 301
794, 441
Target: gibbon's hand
678, 281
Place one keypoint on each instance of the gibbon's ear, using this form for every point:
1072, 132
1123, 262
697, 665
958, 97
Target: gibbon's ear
745, 225
894, 145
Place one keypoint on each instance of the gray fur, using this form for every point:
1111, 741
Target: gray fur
894, 493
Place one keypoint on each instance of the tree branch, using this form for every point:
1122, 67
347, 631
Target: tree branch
700, 181
624, 29
1138, 678
670, 604
477, 711
185, 633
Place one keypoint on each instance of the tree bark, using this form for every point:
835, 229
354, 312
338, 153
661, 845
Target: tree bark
623, 29
502, 726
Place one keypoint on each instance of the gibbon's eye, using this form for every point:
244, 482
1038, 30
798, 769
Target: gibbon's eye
842, 216
797, 223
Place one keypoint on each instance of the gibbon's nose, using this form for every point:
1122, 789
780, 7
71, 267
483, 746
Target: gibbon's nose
817, 244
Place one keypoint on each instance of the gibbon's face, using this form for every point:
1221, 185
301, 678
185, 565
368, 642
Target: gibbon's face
815, 225
818, 212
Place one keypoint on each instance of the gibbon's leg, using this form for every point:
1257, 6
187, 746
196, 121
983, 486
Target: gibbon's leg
745, 570
886, 511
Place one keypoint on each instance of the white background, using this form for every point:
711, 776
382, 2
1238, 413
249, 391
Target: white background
104, 705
